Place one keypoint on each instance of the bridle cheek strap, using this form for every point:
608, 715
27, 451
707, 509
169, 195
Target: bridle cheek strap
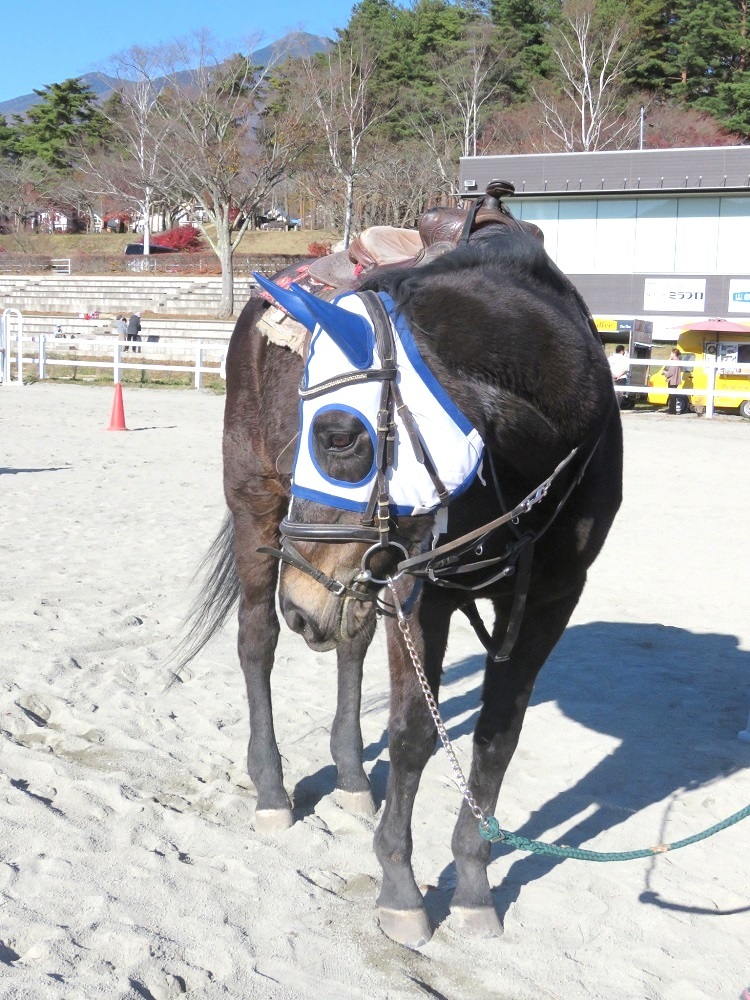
289, 555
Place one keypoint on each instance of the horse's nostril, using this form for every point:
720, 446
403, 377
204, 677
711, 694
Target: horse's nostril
298, 622
295, 619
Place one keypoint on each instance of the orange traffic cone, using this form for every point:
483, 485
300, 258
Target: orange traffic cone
117, 419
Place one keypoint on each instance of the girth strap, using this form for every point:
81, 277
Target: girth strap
520, 594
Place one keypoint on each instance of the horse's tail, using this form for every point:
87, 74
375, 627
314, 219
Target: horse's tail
211, 608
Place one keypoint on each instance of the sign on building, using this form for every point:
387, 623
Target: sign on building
739, 295
675, 294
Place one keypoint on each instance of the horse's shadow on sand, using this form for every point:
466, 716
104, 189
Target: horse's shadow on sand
674, 699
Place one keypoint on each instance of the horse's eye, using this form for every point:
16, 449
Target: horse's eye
339, 442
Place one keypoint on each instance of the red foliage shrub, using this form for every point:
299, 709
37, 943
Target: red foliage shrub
319, 249
187, 239
670, 125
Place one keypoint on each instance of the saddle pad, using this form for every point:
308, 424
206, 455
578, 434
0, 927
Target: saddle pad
279, 328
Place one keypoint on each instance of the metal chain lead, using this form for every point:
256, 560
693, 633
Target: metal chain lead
432, 705
489, 827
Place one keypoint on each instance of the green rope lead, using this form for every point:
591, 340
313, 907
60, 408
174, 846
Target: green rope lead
489, 828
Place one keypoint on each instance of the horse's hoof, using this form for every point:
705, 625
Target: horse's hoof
273, 820
360, 803
476, 921
410, 928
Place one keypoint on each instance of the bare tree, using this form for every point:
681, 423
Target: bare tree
74, 190
217, 149
402, 182
672, 124
320, 184
133, 165
470, 81
587, 113
24, 184
467, 80
339, 87
514, 130
439, 137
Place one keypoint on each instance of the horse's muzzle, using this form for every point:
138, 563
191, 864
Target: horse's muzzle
301, 622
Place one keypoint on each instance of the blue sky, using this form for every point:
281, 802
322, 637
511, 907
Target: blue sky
47, 41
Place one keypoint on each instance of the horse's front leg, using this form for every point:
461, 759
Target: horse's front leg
411, 741
505, 697
346, 732
258, 635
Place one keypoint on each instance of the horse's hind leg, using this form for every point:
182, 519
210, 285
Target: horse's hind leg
411, 741
507, 689
346, 732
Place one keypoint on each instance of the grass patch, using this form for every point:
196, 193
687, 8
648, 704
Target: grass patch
113, 244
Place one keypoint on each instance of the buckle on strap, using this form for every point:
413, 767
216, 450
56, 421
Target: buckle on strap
291, 557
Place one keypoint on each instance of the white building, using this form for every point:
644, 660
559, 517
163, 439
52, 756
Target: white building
660, 235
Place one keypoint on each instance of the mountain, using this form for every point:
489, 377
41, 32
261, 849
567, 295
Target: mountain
294, 45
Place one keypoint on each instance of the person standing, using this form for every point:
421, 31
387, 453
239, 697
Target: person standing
619, 363
673, 374
133, 331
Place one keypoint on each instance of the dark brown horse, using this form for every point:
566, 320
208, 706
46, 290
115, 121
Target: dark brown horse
502, 335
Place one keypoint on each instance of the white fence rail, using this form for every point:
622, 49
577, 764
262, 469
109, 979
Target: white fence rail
34, 353
21, 351
60, 265
708, 393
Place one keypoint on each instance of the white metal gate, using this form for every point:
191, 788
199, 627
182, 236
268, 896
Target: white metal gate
11, 328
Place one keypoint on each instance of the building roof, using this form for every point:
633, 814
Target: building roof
632, 171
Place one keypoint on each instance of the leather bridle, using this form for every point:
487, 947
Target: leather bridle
377, 526
445, 565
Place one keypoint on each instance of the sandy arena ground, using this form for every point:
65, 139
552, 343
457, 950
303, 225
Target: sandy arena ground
129, 866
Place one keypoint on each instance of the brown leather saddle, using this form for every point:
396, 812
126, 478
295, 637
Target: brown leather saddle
440, 230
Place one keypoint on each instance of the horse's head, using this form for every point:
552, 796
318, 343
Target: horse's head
381, 447
330, 580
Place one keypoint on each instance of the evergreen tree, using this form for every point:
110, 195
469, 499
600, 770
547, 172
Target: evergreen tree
705, 42
66, 114
732, 106
523, 26
8, 140
405, 42
379, 27
649, 56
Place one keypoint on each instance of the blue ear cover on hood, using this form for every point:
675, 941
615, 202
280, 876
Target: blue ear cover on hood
288, 300
351, 333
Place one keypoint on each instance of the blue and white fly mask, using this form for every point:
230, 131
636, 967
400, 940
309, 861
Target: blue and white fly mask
344, 343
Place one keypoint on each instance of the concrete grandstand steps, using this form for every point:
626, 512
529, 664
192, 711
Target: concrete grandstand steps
172, 328
73, 294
